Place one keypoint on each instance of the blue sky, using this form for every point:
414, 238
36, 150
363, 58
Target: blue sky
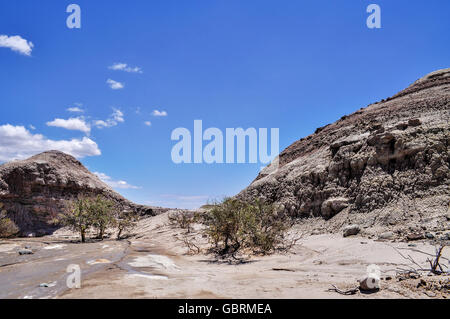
292, 65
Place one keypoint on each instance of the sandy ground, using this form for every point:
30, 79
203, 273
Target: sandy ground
155, 264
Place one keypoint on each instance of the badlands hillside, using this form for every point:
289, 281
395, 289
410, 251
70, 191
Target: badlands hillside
384, 166
34, 191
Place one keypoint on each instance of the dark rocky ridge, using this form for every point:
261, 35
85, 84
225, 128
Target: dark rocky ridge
34, 191
381, 156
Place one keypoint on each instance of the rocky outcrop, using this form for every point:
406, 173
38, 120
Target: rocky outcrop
392, 151
34, 191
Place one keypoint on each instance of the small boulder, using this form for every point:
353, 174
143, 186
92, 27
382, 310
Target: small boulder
351, 230
415, 236
332, 206
429, 235
370, 283
386, 236
402, 126
48, 285
25, 252
414, 122
446, 236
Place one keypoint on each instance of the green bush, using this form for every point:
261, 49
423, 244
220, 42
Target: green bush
7, 227
103, 213
234, 225
183, 219
85, 213
126, 221
78, 217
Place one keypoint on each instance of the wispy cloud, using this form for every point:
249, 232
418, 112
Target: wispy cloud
75, 109
74, 124
115, 118
124, 67
148, 123
16, 142
118, 184
159, 113
115, 85
17, 44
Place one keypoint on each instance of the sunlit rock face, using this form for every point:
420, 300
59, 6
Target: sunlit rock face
36, 190
390, 152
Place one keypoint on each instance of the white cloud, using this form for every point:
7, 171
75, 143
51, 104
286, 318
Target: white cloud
16, 142
124, 67
148, 123
118, 115
74, 124
17, 44
75, 109
159, 113
115, 118
113, 183
114, 84
32, 127
101, 124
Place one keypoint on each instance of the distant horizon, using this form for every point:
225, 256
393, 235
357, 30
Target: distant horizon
112, 92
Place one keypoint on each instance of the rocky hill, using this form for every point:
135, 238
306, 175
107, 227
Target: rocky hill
36, 190
389, 160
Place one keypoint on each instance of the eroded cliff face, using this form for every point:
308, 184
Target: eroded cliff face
36, 190
392, 151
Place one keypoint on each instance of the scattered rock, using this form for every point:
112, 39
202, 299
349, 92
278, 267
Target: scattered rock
415, 236
386, 236
48, 285
332, 206
422, 283
446, 236
370, 283
402, 126
414, 122
351, 230
429, 235
430, 294
25, 252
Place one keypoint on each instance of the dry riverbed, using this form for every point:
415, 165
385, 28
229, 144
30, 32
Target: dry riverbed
155, 264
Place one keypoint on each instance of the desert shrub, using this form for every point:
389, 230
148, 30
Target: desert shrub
234, 225
125, 222
7, 227
183, 219
102, 212
85, 213
78, 217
